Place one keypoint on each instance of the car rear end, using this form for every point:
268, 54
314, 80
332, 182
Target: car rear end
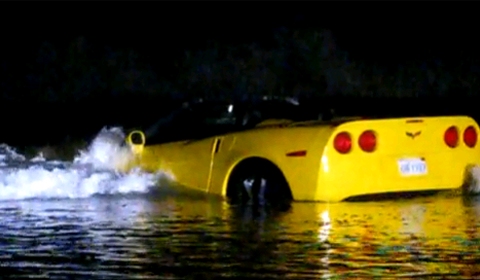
366, 157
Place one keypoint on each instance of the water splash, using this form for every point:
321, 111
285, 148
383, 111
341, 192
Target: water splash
474, 186
8, 154
106, 151
93, 171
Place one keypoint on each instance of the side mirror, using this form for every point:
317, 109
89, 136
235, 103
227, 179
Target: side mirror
136, 141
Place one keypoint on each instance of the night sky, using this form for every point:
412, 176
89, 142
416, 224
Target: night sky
384, 33
387, 33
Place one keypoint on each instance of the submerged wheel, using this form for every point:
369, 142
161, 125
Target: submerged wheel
259, 183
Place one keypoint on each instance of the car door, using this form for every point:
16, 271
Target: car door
205, 137
223, 159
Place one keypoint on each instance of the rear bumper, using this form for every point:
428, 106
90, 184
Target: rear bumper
347, 180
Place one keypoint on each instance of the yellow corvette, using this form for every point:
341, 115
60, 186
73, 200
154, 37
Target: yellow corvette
277, 158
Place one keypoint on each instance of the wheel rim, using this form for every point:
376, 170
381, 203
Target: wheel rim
259, 188
256, 187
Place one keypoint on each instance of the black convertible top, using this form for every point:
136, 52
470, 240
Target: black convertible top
202, 118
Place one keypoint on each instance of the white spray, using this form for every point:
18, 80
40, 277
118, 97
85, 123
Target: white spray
92, 172
474, 186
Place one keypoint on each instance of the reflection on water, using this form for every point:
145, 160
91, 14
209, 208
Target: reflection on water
180, 235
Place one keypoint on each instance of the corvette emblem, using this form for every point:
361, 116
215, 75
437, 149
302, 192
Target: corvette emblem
413, 134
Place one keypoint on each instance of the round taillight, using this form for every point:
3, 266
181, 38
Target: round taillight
451, 137
367, 141
470, 136
343, 142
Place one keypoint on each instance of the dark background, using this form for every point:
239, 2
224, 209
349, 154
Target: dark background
69, 68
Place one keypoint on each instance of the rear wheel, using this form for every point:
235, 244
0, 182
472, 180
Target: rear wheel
258, 183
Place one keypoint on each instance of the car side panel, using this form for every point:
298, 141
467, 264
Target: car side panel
188, 162
273, 144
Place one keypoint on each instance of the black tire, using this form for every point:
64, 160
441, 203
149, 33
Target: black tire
258, 183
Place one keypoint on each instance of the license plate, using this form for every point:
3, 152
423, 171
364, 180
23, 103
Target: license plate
412, 167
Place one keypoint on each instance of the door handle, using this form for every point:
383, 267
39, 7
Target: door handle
216, 145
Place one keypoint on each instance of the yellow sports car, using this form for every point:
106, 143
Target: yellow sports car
272, 151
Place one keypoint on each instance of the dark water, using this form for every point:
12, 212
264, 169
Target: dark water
189, 236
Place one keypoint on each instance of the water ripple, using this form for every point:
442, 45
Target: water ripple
180, 237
